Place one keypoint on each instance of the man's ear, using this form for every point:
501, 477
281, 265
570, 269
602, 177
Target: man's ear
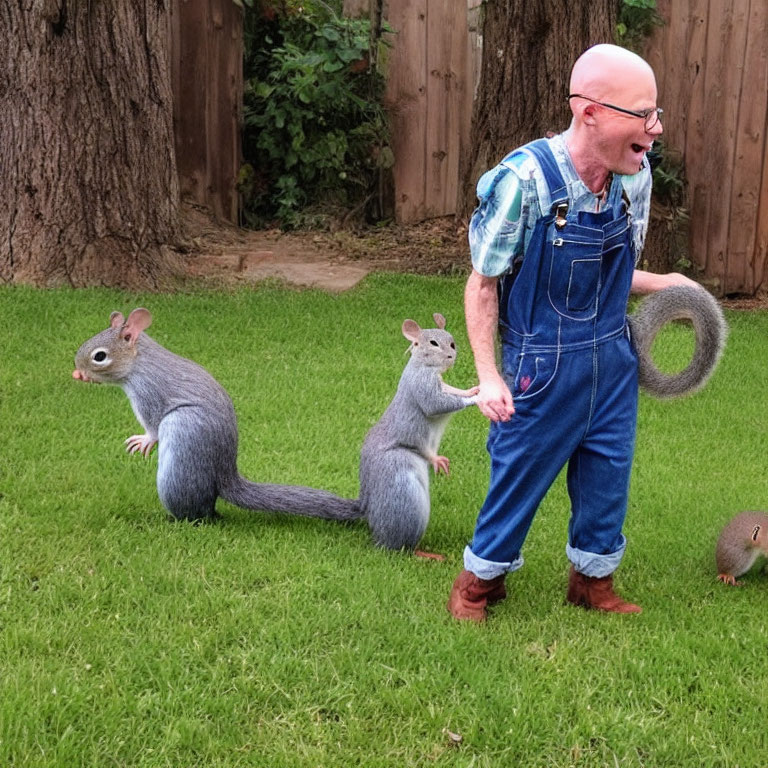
588, 114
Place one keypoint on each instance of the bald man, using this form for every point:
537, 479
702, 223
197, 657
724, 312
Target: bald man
555, 239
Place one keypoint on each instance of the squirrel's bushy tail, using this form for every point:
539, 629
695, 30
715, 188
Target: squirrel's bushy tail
679, 302
293, 499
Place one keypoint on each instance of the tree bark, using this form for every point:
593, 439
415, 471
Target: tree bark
528, 51
90, 191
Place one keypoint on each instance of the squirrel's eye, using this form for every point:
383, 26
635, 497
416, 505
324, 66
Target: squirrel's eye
453, 346
433, 343
100, 356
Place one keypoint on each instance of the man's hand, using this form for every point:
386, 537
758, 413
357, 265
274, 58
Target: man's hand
649, 282
676, 278
481, 307
495, 400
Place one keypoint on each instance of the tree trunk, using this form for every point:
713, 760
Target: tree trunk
89, 191
528, 51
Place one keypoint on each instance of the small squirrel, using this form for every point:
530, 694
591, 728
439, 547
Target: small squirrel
677, 303
191, 417
741, 541
400, 447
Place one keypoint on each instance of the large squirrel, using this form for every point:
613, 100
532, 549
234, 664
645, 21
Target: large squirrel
399, 449
191, 416
679, 302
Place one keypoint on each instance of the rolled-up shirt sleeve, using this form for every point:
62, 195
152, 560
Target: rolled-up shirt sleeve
496, 230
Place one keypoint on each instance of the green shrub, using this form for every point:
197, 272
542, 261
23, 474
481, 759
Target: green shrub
316, 133
637, 20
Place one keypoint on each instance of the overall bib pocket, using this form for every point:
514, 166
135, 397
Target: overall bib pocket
574, 278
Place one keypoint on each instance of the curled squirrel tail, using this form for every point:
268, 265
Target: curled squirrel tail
679, 302
293, 499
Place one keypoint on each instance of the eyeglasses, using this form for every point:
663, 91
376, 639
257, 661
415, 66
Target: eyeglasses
650, 115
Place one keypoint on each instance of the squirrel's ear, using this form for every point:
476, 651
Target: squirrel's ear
116, 319
411, 330
439, 320
139, 320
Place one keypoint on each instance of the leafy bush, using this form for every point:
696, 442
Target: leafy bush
670, 204
637, 20
316, 133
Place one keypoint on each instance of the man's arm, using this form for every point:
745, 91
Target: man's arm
650, 282
481, 308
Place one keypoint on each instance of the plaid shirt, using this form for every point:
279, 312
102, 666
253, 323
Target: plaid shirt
513, 195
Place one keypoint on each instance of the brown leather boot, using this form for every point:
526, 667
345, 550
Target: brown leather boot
470, 595
596, 593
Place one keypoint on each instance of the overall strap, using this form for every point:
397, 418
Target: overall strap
558, 194
542, 153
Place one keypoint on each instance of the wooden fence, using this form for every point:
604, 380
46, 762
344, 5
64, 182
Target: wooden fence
207, 77
711, 61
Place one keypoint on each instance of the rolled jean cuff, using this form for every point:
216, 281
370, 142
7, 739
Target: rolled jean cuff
592, 565
488, 569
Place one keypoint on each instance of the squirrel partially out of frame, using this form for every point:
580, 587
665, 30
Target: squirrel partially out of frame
740, 543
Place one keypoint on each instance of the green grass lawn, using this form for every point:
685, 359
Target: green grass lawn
264, 640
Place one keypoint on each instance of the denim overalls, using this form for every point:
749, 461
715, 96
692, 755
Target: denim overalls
572, 371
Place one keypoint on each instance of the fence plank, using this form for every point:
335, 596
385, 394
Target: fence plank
189, 102
206, 51
760, 258
407, 93
446, 77
225, 83
675, 73
694, 30
749, 154
725, 51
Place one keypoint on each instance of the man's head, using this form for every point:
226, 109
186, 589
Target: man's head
608, 84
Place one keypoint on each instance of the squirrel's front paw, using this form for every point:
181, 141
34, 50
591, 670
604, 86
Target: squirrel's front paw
449, 390
440, 464
140, 444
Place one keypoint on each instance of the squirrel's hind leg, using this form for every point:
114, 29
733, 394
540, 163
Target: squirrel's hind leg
186, 495
186, 478
396, 501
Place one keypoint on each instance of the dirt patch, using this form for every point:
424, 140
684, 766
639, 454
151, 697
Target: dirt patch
336, 261
333, 261
746, 302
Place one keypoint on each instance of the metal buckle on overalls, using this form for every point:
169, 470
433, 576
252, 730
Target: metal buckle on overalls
562, 211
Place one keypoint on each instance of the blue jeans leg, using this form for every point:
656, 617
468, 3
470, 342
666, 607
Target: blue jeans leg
599, 471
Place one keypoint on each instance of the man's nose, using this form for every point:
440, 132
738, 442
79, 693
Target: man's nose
657, 129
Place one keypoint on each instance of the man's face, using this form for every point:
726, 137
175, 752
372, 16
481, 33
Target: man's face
622, 140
